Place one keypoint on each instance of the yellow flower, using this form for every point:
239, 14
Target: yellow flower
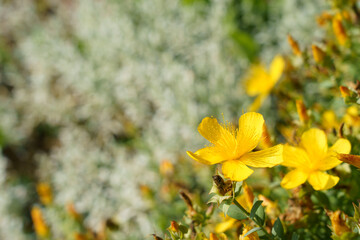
311, 159
232, 147
329, 120
352, 117
261, 81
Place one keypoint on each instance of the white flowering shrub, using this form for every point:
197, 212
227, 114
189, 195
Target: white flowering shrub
95, 94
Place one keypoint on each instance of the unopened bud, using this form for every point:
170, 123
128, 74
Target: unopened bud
318, 54
294, 45
72, 211
40, 226
323, 18
44, 192
345, 92
156, 237
213, 237
338, 223
350, 159
79, 236
174, 226
339, 31
166, 168
301, 110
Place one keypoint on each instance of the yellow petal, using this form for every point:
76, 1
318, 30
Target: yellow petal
264, 158
258, 81
223, 138
207, 155
236, 170
322, 181
294, 178
210, 129
249, 132
314, 142
277, 67
295, 157
257, 102
226, 225
343, 146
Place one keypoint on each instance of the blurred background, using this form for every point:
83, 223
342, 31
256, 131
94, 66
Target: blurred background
99, 101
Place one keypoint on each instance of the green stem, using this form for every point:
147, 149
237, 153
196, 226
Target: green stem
254, 220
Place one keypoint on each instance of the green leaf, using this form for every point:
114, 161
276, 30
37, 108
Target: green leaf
252, 230
224, 206
257, 212
278, 229
255, 207
236, 213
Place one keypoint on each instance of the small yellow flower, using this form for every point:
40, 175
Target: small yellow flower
261, 81
352, 117
44, 192
232, 147
311, 159
329, 120
40, 226
252, 236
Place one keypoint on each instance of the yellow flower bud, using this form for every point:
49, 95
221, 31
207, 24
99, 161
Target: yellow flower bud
318, 54
213, 237
166, 168
72, 212
79, 236
44, 192
323, 18
338, 223
294, 45
174, 226
345, 92
40, 226
301, 110
339, 31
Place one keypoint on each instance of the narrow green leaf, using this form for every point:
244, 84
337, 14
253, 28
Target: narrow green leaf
255, 207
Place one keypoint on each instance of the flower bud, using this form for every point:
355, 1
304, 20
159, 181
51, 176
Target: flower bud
339, 31
318, 54
301, 110
345, 92
166, 168
40, 226
350, 159
338, 223
294, 45
174, 226
213, 237
72, 212
44, 192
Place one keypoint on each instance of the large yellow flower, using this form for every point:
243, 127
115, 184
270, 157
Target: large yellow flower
232, 147
261, 81
311, 159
